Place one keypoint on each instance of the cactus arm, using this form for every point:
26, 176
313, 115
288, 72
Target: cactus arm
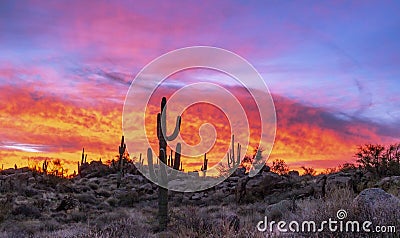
83, 155
176, 131
177, 160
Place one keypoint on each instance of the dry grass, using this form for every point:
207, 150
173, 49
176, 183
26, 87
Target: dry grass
319, 210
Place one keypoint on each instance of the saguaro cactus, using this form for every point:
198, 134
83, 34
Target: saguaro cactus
83, 160
84, 157
121, 150
232, 161
205, 165
162, 177
44, 166
162, 142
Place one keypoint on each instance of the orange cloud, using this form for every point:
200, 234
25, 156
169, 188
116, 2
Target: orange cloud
37, 125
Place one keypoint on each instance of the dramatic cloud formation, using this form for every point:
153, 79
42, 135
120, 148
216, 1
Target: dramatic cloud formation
65, 69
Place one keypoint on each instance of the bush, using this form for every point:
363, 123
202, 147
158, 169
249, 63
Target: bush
280, 167
26, 211
127, 199
380, 160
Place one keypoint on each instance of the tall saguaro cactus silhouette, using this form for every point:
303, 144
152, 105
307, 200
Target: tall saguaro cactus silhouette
162, 142
121, 150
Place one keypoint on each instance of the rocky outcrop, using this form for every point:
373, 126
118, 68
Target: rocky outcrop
338, 180
389, 182
278, 210
94, 169
375, 199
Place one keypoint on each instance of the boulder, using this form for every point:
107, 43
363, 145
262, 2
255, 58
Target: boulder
278, 210
388, 182
374, 201
261, 185
338, 180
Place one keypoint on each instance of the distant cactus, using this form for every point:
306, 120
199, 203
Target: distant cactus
44, 166
141, 161
204, 167
232, 161
83, 161
177, 164
122, 149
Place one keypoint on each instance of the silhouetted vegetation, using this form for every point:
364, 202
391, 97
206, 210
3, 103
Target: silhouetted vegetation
309, 171
379, 160
280, 167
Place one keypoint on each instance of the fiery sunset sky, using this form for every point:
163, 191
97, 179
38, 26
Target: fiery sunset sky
332, 68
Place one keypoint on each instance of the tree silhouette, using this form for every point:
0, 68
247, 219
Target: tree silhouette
379, 160
280, 167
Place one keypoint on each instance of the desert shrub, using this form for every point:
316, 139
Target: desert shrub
318, 210
191, 220
94, 186
347, 167
280, 167
114, 224
28, 228
103, 193
52, 181
5, 208
29, 192
86, 198
50, 225
21, 228
309, 171
127, 199
26, 211
112, 201
213, 222
82, 189
78, 216
109, 217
